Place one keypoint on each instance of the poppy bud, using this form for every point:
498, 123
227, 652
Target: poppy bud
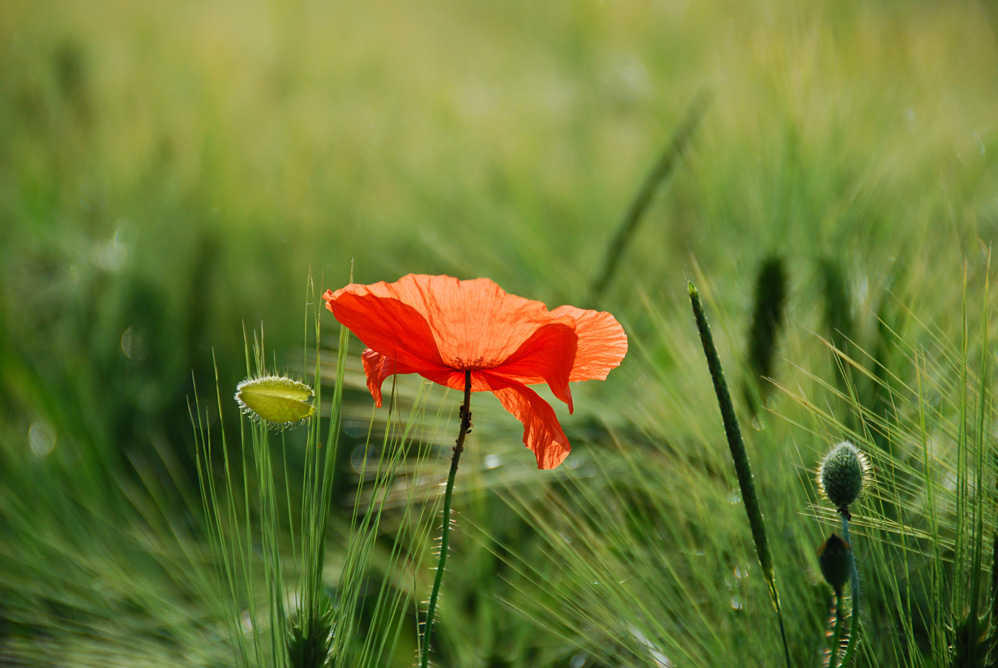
841, 475
835, 558
278, 400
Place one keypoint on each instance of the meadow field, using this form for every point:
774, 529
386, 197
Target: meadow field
180, 182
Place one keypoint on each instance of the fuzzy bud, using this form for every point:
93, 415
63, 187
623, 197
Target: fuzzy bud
842, 474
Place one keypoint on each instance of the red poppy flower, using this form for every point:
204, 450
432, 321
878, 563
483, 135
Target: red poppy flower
440, 327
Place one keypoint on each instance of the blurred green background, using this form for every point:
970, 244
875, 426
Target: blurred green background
171, 171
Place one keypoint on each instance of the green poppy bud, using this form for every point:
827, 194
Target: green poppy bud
842, 473
278, 400
835, 558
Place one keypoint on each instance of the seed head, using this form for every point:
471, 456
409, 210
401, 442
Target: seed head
842, 473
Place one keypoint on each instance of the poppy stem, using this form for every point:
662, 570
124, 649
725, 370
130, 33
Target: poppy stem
445, 524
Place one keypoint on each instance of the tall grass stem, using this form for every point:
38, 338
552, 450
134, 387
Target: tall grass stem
738, 453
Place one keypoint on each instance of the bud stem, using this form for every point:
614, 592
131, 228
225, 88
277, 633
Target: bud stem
854, 594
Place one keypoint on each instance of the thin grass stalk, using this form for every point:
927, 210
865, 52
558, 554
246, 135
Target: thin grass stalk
319, 488
649, 480
938, 634
269, 520
212, 511
961, 471
992, 647
379, 645
364, 528
357, 554
980, 497
287, 497
908, 618
445, 523
740, 457
335, 417
993, 639
270, 535
244, 542
310, 560
312, 534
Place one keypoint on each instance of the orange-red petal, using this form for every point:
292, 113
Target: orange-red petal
388, 326
542, 432
546, 357
472, 324
601, 346
377, 368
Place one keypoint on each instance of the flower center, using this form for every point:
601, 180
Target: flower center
471, 365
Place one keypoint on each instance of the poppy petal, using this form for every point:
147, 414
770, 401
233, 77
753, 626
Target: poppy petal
471, 324
546, 357
377, 368
602, 343
387, 326
541, 431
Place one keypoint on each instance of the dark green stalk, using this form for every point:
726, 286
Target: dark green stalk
854, 595
445, 524
741, 460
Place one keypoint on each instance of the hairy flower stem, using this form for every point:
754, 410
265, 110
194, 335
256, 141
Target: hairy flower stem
445, 524
854, 594
833, 651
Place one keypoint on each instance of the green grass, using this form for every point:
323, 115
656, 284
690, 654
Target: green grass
170, 174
